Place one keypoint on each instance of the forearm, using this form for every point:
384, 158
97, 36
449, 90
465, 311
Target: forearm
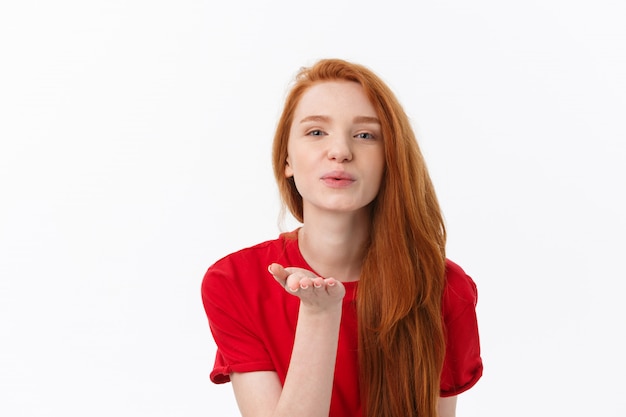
307, 388
308, 385
446, 407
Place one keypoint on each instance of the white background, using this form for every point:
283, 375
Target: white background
135, 151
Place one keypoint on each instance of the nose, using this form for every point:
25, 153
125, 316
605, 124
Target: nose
339, 148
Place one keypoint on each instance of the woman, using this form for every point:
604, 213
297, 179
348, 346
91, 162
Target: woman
371, 245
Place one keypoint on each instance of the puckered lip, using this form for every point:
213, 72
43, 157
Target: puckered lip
337, 175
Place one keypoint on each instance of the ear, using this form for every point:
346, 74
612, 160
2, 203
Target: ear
288, 169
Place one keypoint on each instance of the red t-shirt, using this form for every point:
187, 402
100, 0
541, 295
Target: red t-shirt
253, 321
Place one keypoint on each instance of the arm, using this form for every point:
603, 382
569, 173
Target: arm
308, 385
446, 407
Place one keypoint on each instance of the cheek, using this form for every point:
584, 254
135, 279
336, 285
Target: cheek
380, 174
296, 161
379, 163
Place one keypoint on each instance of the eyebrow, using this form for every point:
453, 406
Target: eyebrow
366, 119
315, 119
357, 119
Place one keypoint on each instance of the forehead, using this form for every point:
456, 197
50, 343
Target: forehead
327, 97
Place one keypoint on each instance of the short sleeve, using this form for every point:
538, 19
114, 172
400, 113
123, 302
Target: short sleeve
239, 349
463, 364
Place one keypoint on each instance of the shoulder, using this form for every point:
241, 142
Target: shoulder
459, 283
239, 284
460, 291
248, 262
253, 255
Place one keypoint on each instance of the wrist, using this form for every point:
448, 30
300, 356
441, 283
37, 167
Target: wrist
321, 312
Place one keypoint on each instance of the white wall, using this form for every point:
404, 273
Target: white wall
135, 145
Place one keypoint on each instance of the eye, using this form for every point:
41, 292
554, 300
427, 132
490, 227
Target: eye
364, 135
315, 132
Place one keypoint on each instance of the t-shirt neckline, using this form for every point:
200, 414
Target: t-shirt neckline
292, 239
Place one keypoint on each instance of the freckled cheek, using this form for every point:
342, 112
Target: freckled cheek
379, 176
301, 165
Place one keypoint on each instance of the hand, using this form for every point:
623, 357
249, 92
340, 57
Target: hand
312, 290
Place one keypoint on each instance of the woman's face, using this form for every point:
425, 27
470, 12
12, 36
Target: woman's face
335, 148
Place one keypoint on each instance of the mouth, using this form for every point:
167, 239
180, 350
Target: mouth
337, 176
337, 179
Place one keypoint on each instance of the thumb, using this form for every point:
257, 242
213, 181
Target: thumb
279, 273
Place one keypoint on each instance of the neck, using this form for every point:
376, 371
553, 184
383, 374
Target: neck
334, 245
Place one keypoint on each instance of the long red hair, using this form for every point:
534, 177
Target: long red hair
401, 335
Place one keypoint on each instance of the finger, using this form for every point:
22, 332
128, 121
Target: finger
279, 273
297, 281
307, 282
317, 282
331, 285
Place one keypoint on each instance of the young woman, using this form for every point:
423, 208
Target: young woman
357, 312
